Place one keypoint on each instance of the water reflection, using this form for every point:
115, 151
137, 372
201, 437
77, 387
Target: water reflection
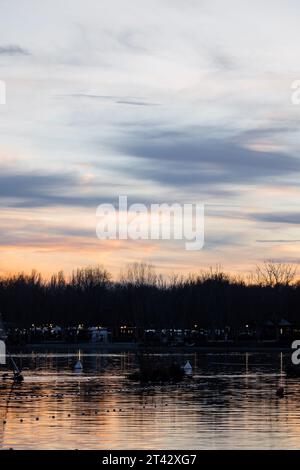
229, 403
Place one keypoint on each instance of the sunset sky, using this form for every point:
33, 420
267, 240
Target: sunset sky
162, 101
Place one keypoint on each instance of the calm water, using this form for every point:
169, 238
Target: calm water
229, 403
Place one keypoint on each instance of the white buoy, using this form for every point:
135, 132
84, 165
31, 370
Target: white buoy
78, 366
188, 368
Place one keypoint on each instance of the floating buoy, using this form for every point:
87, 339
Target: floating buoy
18, 377
78, 366
280, 392
188, 368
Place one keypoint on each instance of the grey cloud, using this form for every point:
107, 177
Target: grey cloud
213, 242
269, 134
33, 188
134, 101
196, 159
73, 232
42, 190
137, 103
282, 240
292, 218
222, 61
45, 190
132, 40
13, 50
270, 131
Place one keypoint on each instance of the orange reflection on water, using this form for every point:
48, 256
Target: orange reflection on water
229, 403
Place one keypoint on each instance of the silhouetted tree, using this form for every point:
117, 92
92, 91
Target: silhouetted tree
210, 299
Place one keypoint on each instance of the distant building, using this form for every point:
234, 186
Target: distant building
99, 335
285, 329
128, 333
2, 330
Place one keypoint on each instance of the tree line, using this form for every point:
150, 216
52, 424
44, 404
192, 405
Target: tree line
145, 299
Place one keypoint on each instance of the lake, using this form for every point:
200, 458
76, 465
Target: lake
230, 403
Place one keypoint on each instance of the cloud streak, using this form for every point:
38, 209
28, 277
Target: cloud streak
115, 99
291, 218
13, 50
188, 159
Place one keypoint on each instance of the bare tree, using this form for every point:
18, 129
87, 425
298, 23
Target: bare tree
273, 274
139, 274
90, 277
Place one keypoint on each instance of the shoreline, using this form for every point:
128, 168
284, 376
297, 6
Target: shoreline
137, 347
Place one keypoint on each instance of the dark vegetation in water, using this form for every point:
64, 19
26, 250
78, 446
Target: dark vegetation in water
151, 370
141, 298
292, 370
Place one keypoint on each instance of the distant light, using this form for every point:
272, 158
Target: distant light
247, 326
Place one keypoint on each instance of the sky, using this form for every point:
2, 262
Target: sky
165, 101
